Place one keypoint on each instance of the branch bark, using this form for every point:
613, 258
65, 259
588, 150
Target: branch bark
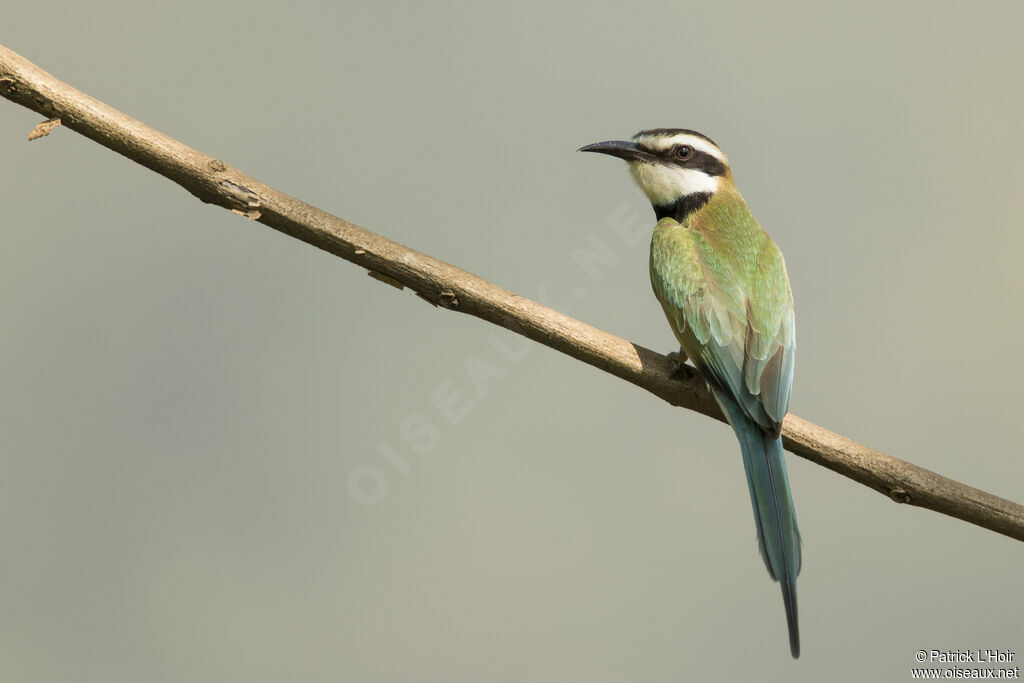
214, 182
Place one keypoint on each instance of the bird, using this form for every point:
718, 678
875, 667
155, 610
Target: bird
723, 286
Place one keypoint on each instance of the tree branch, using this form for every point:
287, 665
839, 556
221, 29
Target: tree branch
213, 181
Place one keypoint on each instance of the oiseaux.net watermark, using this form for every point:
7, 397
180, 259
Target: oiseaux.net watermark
979, 664
454, 398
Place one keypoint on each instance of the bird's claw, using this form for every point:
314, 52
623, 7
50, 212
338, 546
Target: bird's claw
682, 373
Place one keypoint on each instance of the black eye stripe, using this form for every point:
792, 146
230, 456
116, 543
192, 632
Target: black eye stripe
702, 161
699, 160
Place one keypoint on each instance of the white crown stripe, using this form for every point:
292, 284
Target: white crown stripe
663, 142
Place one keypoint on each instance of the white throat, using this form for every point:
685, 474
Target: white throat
666, 184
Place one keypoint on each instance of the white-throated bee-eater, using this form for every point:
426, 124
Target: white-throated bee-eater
723, 286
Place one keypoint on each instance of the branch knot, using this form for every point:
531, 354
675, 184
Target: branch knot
448, 299
899, 495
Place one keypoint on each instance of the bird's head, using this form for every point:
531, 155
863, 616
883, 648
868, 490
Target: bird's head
676, 168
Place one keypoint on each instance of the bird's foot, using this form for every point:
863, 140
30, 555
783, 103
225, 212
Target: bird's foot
678, 356
683, 372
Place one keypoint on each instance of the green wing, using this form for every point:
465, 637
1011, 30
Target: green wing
727, 297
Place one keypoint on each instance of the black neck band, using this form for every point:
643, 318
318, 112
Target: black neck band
683, 207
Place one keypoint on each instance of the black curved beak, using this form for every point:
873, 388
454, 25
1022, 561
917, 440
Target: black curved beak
629, 151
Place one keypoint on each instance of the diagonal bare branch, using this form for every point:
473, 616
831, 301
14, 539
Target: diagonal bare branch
213, 181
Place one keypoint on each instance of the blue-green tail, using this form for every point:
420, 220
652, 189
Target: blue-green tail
777, 532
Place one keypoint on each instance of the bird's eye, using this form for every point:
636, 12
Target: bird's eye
683, 151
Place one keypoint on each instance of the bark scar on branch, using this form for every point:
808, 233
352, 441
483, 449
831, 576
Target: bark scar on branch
243, 196
213, 181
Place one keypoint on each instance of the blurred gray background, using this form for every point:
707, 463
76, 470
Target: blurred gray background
206, 457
